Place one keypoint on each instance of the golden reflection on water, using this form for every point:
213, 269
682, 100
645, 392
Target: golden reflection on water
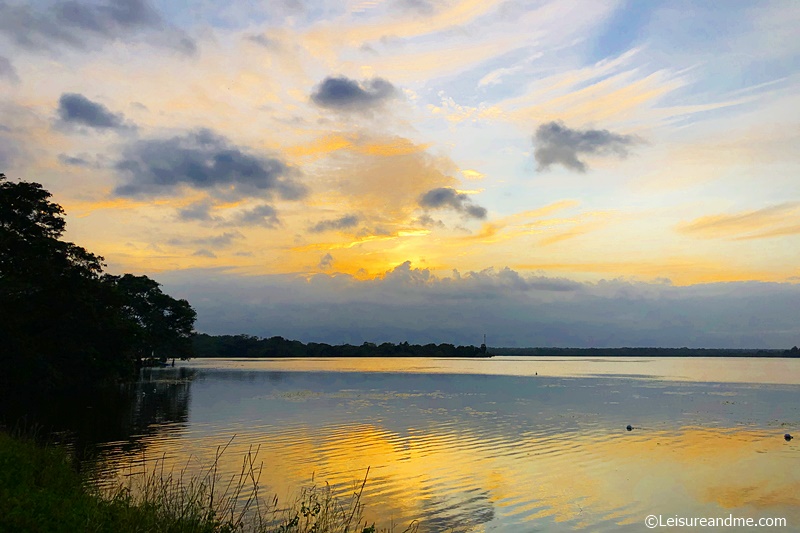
496, 453
694, 369
597, 480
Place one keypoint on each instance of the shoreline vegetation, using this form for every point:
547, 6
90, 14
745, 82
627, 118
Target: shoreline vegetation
63, 320
234, 346
40, 491
249, 346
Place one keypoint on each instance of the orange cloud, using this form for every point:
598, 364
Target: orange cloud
511, 228
321, 146
391, 147
83, 208
472, 174
388, 179
772, 221
680, 270
613, 90
453, 15
360, 144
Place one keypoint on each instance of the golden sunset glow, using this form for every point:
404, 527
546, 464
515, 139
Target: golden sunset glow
586, 141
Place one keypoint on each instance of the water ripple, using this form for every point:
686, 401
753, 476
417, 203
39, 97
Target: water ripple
523, 453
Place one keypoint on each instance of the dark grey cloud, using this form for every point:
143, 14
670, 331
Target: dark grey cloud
423, 7
373, 231
213, 241
221, 241
511, 279
326, 262
260, 215
446, 197
542, 283
406, 274
513, 308
345, 222
429, 222
7, 70
475, 211
107, 18
76, 24
487, 281
197, 211
76, 109
557, 144
203, 160
205, 253
265, 41
342, 93
367, 48
74, 161
279, 9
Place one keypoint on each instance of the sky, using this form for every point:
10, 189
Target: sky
550, 173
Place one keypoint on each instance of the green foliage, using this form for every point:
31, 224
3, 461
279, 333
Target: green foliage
62, 322
40, 492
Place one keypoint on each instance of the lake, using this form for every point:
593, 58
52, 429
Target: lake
509, 444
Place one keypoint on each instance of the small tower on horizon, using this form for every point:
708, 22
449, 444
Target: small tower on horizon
483, 346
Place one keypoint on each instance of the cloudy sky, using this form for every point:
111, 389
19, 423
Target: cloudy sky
570, 173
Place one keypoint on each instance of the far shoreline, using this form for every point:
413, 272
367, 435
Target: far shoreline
248, 347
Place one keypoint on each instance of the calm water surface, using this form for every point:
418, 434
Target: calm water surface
488, 445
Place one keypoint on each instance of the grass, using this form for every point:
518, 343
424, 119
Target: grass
41, 492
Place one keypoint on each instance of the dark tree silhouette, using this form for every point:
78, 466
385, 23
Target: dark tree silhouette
161, 326
62, 321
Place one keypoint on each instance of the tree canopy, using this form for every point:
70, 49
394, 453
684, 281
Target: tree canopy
161, 325
62, 320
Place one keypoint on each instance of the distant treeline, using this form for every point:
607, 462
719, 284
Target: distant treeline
650, 352
250, 346
276, 347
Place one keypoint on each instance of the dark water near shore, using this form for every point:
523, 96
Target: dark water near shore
484, 445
